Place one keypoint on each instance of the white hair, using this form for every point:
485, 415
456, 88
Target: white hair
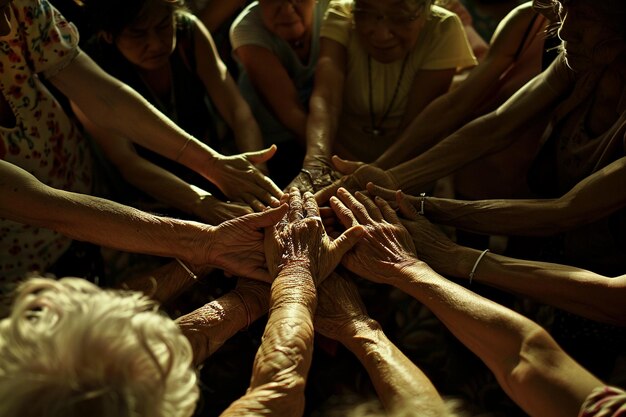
72, 349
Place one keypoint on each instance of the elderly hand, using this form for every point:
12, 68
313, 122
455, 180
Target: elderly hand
214, 211
300, 239
237, 245
340, 310
432, 245
314, 178
356, 177
240, 180
386, 246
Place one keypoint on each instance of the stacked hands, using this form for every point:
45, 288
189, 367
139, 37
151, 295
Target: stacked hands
376, 244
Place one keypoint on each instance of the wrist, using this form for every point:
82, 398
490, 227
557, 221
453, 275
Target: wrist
316, 160
361, 336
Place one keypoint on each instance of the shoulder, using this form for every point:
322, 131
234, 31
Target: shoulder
248, 28
337, 23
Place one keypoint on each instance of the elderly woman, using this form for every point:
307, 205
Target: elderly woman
381, 63
168, 56
277, 45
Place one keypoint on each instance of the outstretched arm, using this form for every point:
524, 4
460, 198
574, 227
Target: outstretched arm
236, 245
112, 105
596, 196
399, 383
532, 369
450, 111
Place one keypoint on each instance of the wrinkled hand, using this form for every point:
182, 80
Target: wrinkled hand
314, 178
237, 245
339, 308
214, 211
386, 246
432, 245
238, 178
300, 238
356, 176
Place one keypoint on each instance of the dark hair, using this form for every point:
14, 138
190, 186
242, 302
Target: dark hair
112, 16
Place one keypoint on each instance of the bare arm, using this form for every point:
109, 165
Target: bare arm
112, 105
326, 101
595, 197
158, 182
224, 92
399, 383
236, 245
528, 364
450, 111
274, 86
210, 326
487, 134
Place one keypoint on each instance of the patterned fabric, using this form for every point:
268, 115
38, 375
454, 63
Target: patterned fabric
44, 141
604, 402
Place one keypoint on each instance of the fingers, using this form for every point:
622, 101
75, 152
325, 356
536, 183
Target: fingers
388, 213
406, 208
253, 202
358, 209
344, 214
323, 195
385, 193
348, 239
296, 209
269, 191
344, 166
269, 217
369, 205
310, 206
257, 157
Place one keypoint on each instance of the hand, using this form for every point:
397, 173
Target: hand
237, 245
213, 211
386, 246
314, 178
300, 238
340, 310
238, 178
432, 245
356, 177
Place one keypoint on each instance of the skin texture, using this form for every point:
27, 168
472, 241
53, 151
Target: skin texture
531, 368
300, 257
148, 44
235, 246
576, 290
399, 384
385, 44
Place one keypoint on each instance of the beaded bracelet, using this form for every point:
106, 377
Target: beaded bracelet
422, 199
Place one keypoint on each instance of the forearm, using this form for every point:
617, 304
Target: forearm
210, 326
474, 140
96, 220
399, 383
239, 117
578, 291
284, 357
320, 129
113, 105
528, 364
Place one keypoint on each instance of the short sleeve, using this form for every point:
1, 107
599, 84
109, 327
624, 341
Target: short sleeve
52, 41
604, 402
337, 23
448, 44
248, 29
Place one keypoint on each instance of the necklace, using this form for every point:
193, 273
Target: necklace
375, 128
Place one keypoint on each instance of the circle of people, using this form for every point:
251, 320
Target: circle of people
395, 132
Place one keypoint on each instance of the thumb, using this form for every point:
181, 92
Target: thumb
268, 217
407, 209
348, 239
261, 156
344, 166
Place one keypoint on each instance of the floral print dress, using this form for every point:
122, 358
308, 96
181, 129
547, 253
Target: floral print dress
43, 140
